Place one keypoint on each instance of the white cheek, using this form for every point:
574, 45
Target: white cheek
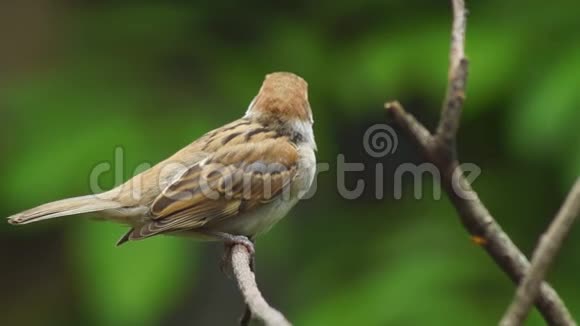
305, 129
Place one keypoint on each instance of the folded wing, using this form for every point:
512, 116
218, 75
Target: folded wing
233, 180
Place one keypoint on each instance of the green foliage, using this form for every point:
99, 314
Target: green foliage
548, 114
134, 284
152, 77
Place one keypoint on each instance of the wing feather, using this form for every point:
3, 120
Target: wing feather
234, 179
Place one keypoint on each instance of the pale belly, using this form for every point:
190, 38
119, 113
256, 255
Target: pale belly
259, 221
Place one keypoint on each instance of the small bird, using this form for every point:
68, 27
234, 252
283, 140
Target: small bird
232, 184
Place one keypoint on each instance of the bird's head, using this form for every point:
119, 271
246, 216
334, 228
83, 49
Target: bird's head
283, 96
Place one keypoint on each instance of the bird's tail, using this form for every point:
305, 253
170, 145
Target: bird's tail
65, 207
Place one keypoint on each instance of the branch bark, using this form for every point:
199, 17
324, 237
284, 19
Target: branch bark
548, 246
256, 305
440, 149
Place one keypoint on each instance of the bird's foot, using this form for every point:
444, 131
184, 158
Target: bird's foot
231, 240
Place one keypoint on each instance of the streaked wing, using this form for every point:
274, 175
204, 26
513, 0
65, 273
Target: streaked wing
242, 175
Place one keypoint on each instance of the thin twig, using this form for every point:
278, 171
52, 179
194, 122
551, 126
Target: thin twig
421, 135
548, 246
247, 283
451, 111
457, 52
246, 318
440, 149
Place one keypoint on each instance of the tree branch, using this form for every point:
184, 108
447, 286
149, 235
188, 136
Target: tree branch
458, 66
241, 262
440, 149
548, 246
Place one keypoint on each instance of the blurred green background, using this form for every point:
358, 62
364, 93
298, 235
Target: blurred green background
79, 78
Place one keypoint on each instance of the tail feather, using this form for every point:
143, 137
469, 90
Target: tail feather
125, 238
65, 207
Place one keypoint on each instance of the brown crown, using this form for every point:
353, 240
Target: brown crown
284, 95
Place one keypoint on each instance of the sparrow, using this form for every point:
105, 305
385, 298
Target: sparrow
232, 184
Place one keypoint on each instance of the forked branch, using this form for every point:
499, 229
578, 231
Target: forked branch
440, 149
